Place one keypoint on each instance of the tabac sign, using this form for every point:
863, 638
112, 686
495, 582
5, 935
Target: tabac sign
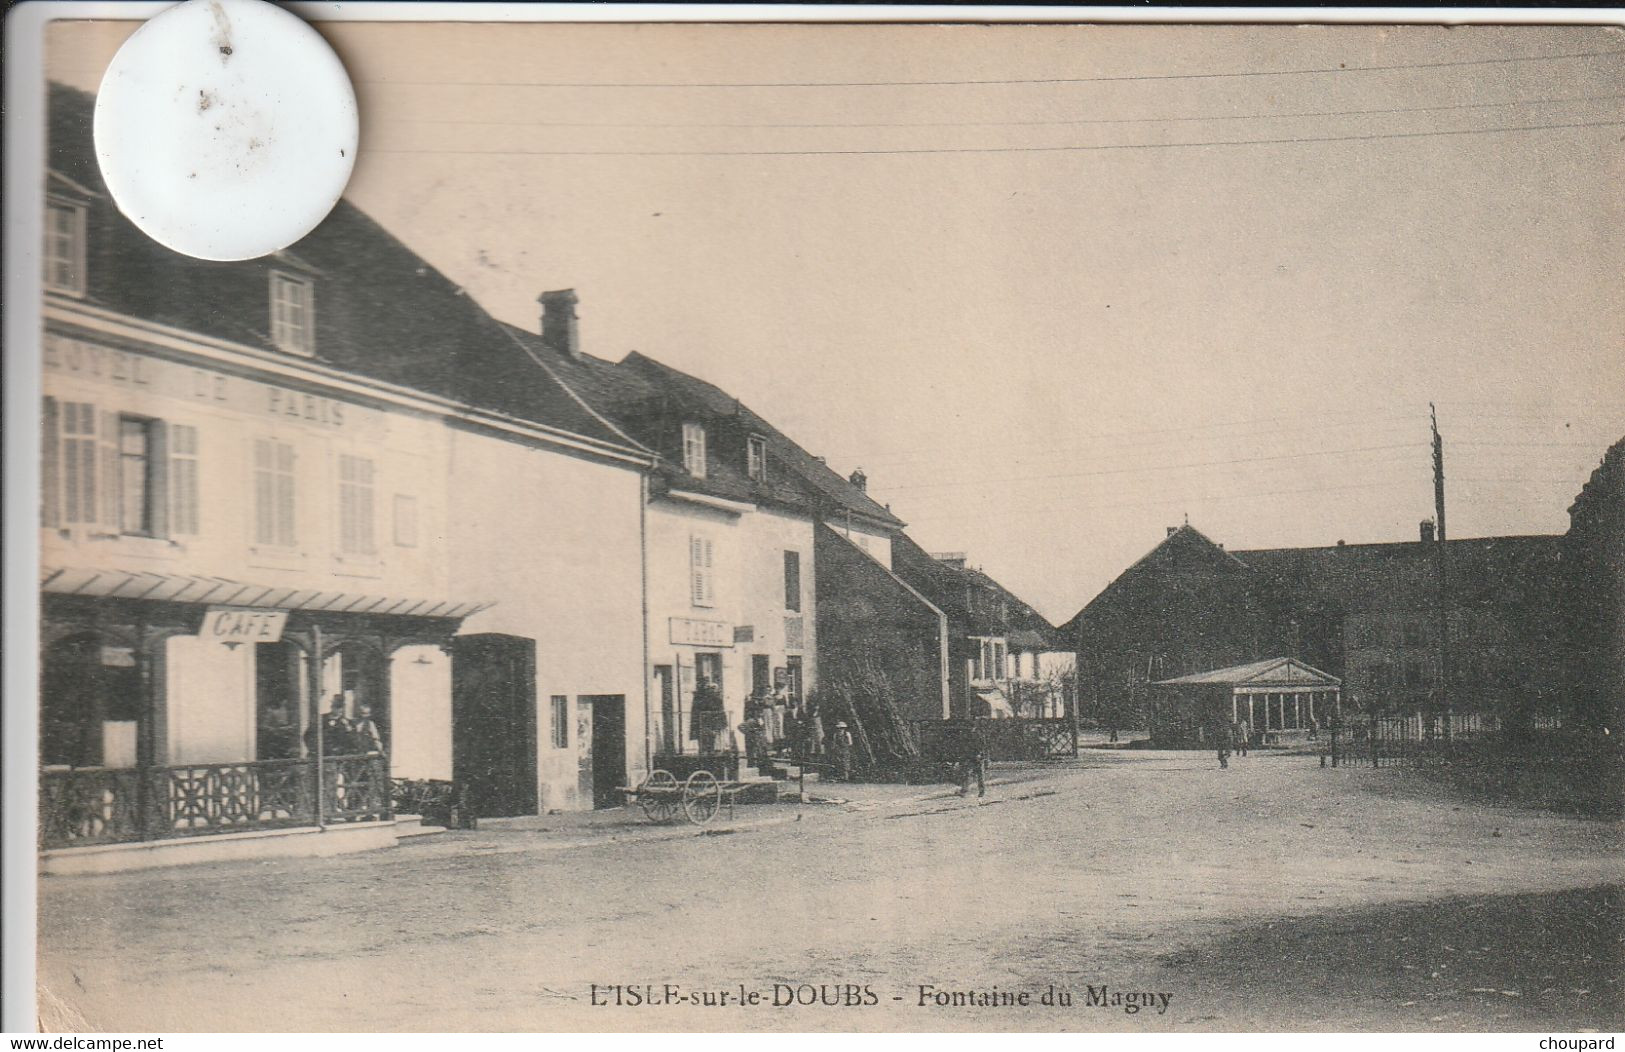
695, 633
242, 624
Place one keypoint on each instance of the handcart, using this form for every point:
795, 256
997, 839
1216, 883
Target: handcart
665, 799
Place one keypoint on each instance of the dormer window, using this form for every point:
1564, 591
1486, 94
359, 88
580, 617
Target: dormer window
293, 313
694, 450
65, 247
756, 458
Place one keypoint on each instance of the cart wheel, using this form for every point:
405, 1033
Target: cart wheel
702, 797
660, 796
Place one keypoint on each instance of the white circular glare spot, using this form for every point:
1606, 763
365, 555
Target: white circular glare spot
226, 129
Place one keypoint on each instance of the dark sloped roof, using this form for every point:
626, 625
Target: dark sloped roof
381, 311
1181, 547
970, 597
810, 481
1394, 575
643, 405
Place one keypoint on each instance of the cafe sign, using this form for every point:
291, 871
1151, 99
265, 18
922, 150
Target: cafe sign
242, 624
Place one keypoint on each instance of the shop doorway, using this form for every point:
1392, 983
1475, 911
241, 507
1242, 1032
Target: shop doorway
603, 748
670, 732
493, 723
90, 703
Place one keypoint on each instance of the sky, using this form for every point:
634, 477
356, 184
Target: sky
977, 263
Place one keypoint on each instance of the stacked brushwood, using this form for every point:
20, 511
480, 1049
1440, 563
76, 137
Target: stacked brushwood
860, 692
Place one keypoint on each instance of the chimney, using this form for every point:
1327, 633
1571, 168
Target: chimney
560, 329
1172, 530
1425, 528
859, 479
954, 559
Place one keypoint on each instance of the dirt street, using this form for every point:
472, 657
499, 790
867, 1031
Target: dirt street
1154, 890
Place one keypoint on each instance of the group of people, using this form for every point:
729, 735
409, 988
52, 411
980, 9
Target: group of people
344, 736
772, 723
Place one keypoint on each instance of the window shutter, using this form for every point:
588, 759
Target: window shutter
50, 468
710, 578
696, 571
264, 493
158, 477
285, 534
183, 479
109, 495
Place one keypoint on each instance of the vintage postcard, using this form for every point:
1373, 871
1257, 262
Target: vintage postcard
851, 527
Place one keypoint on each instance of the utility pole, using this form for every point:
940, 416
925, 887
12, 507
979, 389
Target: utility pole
1443, 559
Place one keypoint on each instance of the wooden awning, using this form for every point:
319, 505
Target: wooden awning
220, 591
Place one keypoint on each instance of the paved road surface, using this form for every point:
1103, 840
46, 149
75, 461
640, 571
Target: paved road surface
1273, 895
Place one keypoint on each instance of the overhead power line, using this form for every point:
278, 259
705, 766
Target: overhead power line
1005, 149
1122, 78
1010, 124
1163, 467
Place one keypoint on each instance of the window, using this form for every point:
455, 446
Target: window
984, 664
183, 479
274, 493
118, 472
293, 313
65, 248
792, 580
702, 579
406, 521
558, 722
756, 458
999, 669
356, 506
135, 449
694, 450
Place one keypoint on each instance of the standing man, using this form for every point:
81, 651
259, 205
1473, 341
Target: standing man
708, 720
1223, 738
338, 736
841, 745
365, 732
1240, 733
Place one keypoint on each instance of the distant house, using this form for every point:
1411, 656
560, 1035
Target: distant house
1366, 614
1593, 622
1005, 658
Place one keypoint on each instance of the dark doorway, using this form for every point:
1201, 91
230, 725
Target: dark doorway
279, 692
761, 676
608, 747
493, 723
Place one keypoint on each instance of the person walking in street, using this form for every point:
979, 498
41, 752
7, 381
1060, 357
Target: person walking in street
841, 745
972, 762
1223, 738
1239, 734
